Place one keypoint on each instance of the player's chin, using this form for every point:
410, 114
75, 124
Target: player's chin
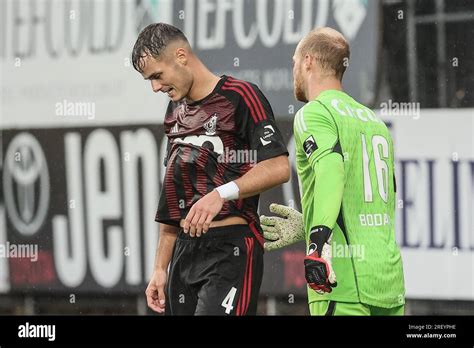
175, 97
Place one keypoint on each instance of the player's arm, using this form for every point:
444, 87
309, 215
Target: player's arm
316, 136
320, 140
329, 186
287, 227
256, 124
263, 137
265, 175
155, 292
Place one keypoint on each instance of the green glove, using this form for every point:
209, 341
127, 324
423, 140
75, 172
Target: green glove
282, 231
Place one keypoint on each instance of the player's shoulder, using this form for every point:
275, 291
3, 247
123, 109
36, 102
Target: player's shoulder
307, 117
315, 107
247, 97
240, 89
230, 80
336, 101
312, 111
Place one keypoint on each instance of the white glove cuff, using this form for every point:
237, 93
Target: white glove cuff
229, 191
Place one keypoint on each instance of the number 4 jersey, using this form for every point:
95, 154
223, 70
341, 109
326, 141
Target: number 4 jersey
345, 166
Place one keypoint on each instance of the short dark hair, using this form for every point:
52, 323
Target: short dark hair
152, 40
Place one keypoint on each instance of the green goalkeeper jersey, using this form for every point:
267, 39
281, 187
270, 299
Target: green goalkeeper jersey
345, 165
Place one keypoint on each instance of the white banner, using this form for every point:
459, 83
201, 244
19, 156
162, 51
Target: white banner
435, 189
68, 63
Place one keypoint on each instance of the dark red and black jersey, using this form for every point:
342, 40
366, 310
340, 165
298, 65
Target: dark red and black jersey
214, 141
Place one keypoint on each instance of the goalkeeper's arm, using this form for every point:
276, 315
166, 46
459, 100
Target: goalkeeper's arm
288, 227
329, 187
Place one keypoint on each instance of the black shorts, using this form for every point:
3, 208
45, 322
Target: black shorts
219, 273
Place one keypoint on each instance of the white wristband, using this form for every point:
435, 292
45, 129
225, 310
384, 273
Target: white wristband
229, 191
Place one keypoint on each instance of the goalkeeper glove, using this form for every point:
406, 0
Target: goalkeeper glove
284, 230
318, 268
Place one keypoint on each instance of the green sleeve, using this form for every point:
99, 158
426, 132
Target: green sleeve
315, 131
317, 135
329, 186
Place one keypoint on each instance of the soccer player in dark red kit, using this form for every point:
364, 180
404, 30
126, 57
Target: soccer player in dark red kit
224, 149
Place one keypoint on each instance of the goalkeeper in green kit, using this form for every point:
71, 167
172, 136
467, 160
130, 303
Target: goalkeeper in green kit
345, 165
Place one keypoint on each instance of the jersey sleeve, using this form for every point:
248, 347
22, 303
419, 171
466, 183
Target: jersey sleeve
316, 132
329, 188
261, 130
317, 137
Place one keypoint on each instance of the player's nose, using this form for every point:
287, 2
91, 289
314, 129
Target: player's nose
156, 86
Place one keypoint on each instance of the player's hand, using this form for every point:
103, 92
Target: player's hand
318, 263
202, 213
155, 292
282, 231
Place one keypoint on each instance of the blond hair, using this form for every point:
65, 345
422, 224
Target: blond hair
329, 48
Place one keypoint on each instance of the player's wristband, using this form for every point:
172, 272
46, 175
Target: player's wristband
318, 236
229, 191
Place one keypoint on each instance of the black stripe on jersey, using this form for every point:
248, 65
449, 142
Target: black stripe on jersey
342, 226
331, 308
337, 148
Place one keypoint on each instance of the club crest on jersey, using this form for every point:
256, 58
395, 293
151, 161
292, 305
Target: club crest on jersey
210, 126
309, 146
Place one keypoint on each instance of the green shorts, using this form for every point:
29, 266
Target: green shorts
346, 308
